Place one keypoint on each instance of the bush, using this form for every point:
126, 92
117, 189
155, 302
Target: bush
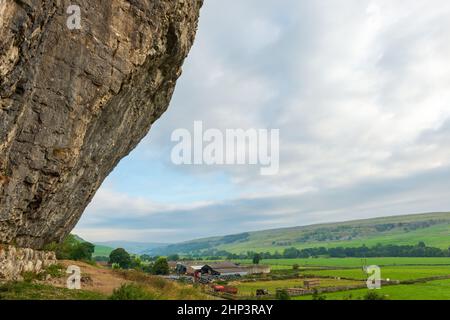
282, 295
29, 277
82, 251
131, 292
136, 263
115, 266
158, 282
372, 295
72, 249
295, 267
161, 267
121, 257
318, 296
55, 270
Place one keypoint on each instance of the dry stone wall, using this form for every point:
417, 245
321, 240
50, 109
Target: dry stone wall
16, 261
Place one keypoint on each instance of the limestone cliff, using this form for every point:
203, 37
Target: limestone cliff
73, 102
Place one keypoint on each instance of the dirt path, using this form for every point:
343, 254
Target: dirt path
94, 278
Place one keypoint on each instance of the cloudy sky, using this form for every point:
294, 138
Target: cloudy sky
360, 90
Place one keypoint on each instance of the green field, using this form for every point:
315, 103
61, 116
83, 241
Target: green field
349, 262
433, 290
102, 251
340, 269
249, 288
99, 251
392, 273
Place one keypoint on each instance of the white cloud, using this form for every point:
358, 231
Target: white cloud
358, 88
138, 235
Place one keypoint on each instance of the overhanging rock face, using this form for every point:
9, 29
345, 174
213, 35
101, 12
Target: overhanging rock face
73, 102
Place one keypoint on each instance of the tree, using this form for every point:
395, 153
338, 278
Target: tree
256, 258
72, 248
282, 295
136, 263
161, 267
290, 253
121, 257
173, 257
82, 251
146, 257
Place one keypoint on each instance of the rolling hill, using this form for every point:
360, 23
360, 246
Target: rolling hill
431, 228
131, 247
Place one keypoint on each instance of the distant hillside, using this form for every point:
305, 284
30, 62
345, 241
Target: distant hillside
105, 248
431, 228
102, 251
132, 247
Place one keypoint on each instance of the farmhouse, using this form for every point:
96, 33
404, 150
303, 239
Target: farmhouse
224, 268
190, 268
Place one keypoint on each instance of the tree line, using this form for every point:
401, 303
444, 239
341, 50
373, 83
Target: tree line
379, 250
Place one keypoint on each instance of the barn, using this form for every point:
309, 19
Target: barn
224, 269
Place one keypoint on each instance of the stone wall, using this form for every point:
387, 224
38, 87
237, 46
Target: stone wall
15, 261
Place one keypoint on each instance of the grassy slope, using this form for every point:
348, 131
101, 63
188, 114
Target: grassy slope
436, 235
34, 291
104, 282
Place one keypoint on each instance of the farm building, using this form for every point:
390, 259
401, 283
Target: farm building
172, 265
188, 267
224, 268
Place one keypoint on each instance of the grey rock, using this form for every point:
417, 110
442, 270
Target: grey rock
15, 261
75, 102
